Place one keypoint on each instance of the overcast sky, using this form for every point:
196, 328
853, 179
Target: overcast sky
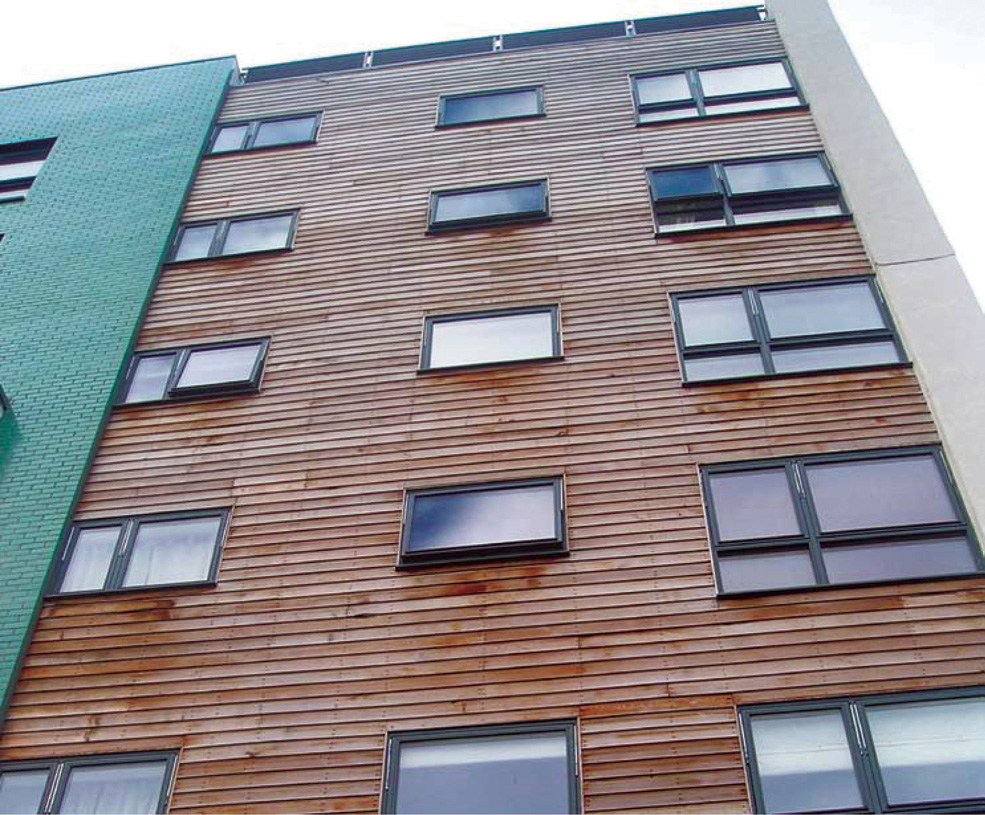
925, 60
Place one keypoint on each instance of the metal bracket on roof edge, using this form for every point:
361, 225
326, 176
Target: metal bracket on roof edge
498, 42
630, 28
368, 59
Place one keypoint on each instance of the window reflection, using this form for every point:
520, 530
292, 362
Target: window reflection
178, 551
90, 560
285, 131
489, 203
490, 106
149, 380
784, 174
120, 788
744, 79
484, 339
215, 366
258, 234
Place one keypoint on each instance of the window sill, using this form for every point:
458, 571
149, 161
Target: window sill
889, 366
683, 235
472, 555
743, 595
738, 114
183, 398
196, 584
484, 122
235, 256
483, 366
488, 223
264, 149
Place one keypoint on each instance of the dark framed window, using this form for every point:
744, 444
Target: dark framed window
520, 202
128, 782
453, 341
20, 164
214, 369
520, 768
483, 522
744, 193
715, 90
141, 551
248, 235
490, 106
258, 134
905, 752
774, 330
872, 517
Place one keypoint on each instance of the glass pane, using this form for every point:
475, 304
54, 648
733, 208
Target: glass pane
194, 242
482, 517
766, 212
150, 378
930, 751
804, 762
683, 217
820, 309
757, 571
496, 774
258, 234
667, 114
230, 138
784, 174
898, 560
285, 131
719, 108
21, 791
491, 339
114, 788
10, 170
721, 318
655, 89
723, 366
882, 492
770, 76
90, 561
684, 183
489, 203
825, 357
753, 504
172, 551
485, 107
216, 366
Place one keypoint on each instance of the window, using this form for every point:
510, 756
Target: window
200, 370
519, 768
772, 330
488, 206
483, 522
133, 783
714, 91
236, 236
118, 554
836, 520
490, 106
739, 193
490, 337
917, 752
19, 165
235, 137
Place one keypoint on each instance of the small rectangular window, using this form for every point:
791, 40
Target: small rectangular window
141, 551
491, 337
235, 236
836, 520
490, 106
737, 193
216, 369
235, 137
135, 783
483, 522
488, 206
911, 752
771, 330
519, 768
714, 91
20, 164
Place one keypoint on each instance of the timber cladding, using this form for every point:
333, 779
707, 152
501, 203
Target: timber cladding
279, 684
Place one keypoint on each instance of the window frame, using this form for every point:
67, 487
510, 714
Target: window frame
181, 356
859, 737
699, 101
538, 90
60, 768
123, 551
763, 344
813, 540
42, 147
396, 739
478, 553
505, 219
427, 338
253, 128
222, 230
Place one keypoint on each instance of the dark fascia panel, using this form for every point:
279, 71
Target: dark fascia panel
552, 36
305, 67
437, 50
699, 19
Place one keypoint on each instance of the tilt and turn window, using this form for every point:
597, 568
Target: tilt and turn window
248, 235
739, 193
916, 752
833, 520
761, 331
476, 207
490, 106
19, 165
237, 137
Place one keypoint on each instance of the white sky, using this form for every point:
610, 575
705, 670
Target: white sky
924, 58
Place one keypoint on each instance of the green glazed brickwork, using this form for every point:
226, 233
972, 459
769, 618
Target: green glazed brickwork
78, 261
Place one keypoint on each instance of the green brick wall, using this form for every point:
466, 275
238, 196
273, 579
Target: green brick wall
78, 261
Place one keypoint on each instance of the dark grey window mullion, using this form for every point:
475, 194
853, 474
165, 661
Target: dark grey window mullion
218, 239
757, 320
724, 191
887, 317
177, 366
868, 772
121, 557
55, 779
251, 135
695, 86
812, 528
556, 343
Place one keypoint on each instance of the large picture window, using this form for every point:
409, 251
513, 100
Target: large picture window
488, 206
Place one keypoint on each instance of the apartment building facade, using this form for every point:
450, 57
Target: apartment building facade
551, 422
